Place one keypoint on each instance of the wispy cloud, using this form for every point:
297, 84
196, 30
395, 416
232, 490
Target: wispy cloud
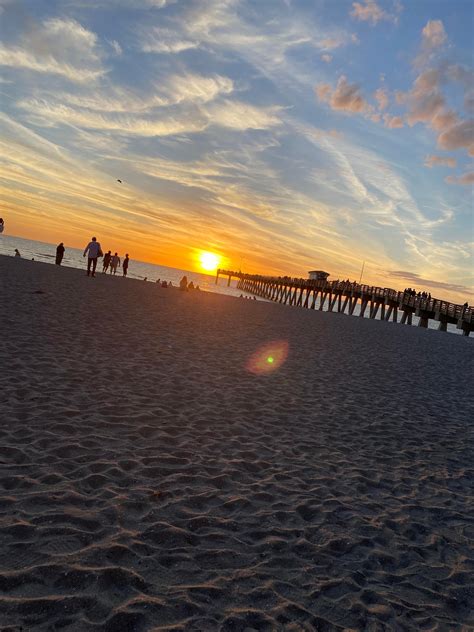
57, 46
465, 179
439, 161
424, 283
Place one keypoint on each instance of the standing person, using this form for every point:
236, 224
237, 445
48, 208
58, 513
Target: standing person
125, 265
94, 250
60, 253
17, 253
2, 224
183, 284
107, 258
114, 262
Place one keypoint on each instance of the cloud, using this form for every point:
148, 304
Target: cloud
345, 97
432, 161
433, 37
433, 34
164, 41
370, 11
49, 114
381, 97
327, 58
465, 179
458, 136
116, 47
184, 118
57, 46
392, 122
242, 116
430, 283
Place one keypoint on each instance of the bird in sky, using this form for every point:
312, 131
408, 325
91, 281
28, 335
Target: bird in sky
119, 181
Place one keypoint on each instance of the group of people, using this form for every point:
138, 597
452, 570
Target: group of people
111, 261
424, 295
185, 286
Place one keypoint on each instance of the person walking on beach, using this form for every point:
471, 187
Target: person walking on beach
125, 265
107, 257
60, 253
114, 262
17, 253
93, 249
183, 284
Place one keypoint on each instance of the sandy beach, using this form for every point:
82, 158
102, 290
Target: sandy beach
154, 477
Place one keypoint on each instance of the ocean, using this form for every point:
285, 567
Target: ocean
41, 251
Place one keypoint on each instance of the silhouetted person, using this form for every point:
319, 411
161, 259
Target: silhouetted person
191, 286
60, 253
17, 253
107, 258
93, 251
125, 265
2, 224
183, 284
114, 262
164, 284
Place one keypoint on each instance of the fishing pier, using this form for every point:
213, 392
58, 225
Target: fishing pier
343, 296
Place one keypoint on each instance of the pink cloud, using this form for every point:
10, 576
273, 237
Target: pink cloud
345, 96
440, 161
458, 136
424, 108
392, 122
369, 11
467, 178
433, 34
382, 99
444, 119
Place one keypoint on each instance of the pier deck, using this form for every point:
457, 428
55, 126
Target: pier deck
343, 296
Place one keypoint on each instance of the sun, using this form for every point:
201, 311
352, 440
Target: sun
209, 261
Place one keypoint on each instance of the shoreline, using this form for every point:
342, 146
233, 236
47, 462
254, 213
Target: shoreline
150, 478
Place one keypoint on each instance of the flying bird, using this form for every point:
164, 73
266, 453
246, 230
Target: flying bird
119, 181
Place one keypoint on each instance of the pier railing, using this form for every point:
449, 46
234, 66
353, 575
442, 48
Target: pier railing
345, 295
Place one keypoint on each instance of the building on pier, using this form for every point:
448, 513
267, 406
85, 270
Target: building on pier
318, 275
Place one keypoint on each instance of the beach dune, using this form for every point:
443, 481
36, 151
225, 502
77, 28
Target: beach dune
151, 479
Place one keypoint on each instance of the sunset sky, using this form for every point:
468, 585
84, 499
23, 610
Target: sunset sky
285, 136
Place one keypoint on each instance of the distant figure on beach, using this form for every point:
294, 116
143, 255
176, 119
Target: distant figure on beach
158, 280
191, 286
60, 253
183, 284
106, 262
170, 284
125, 265
2, 225
164, 284
93, 251
17, 253
114, 262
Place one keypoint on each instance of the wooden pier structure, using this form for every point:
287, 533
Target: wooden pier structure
343, 296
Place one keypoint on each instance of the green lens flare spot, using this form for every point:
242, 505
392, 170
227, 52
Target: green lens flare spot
270, 360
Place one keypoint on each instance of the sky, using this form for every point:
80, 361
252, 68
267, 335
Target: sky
283, 135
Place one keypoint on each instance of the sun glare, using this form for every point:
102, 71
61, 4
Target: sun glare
209, 261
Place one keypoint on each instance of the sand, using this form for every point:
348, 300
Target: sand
150, 481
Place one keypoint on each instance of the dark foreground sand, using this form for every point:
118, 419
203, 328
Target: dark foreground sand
149, 481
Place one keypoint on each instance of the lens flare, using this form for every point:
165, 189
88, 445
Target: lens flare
268, 358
